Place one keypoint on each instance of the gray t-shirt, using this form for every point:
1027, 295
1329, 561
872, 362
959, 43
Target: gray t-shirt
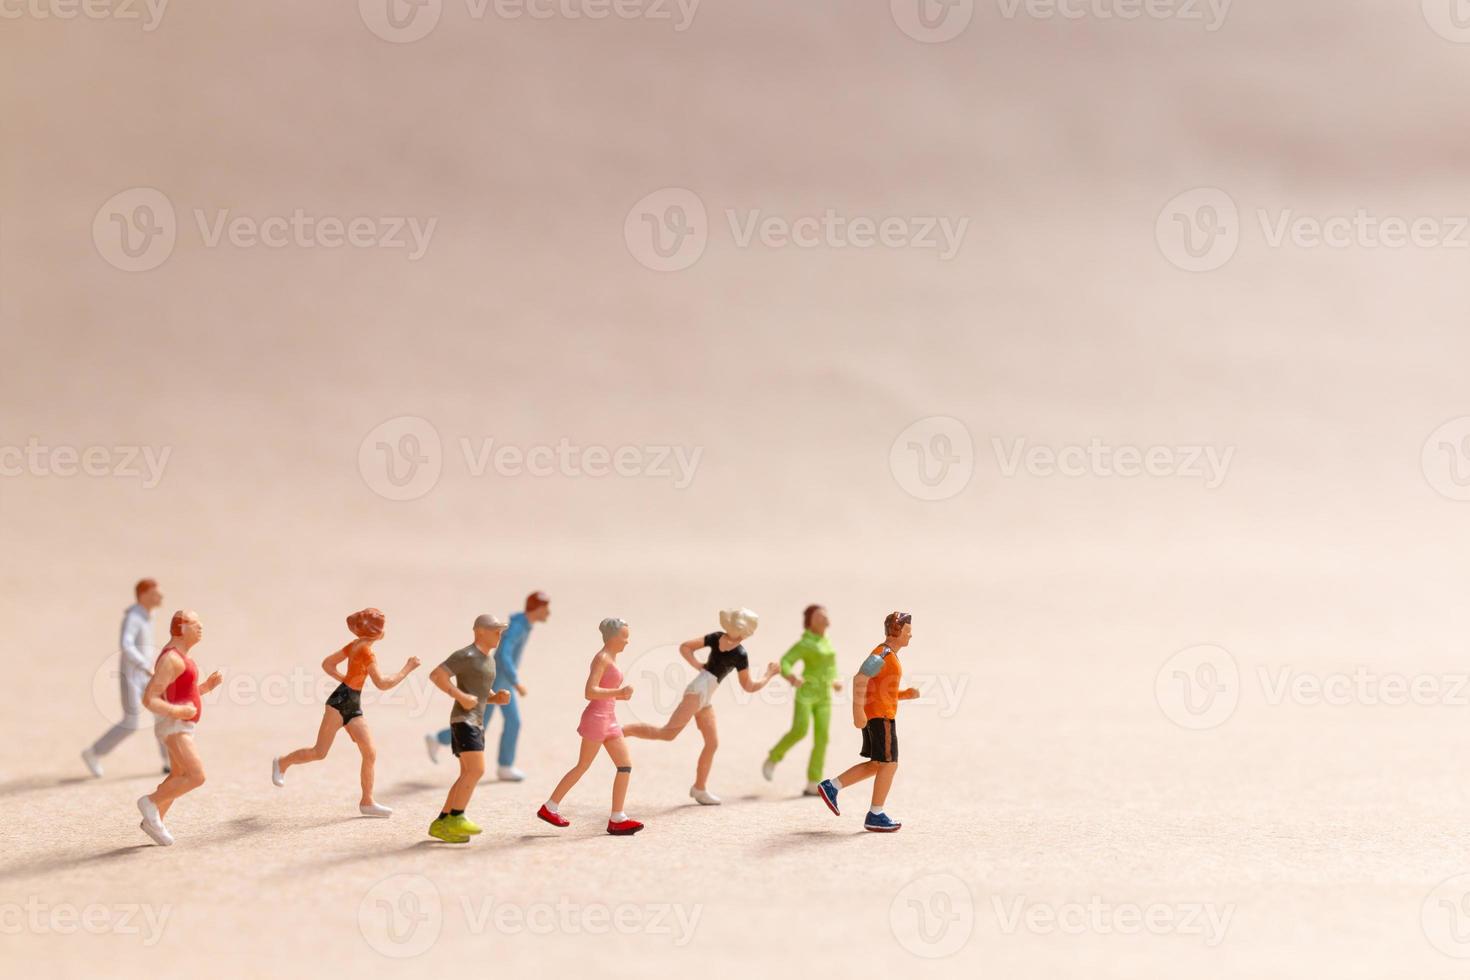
474, 673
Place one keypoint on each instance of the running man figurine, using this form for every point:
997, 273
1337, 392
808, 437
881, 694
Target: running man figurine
813, 695
344, 706
507, 678
875, 697
600, 730
173, 695
467, 676
134, 667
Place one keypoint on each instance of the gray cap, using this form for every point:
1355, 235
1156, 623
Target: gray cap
487, 621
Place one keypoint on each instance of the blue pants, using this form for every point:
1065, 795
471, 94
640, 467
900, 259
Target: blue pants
508, 735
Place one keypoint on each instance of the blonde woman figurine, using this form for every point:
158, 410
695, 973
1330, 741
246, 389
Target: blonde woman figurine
726, 654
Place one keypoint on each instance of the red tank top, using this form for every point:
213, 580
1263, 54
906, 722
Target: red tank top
185, 688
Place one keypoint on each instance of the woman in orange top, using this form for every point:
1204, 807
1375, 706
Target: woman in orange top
344, 707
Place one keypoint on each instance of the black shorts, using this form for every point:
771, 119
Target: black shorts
464, 737
880, 740
347, 702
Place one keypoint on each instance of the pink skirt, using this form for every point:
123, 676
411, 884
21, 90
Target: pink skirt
599, 723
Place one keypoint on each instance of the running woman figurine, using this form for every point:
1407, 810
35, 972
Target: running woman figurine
507, 678
173, 695
814, 689
600, 730
344, 706
725, 654
467, 676
875, 697
134, 667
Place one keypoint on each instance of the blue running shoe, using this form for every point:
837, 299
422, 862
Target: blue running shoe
880, 823
828, 793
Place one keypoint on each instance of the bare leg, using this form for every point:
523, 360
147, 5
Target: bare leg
706, 722
685, 711
471, 768
358, 729
187, 774
858, 773
884, 779
331, 724
585, 757
617, 749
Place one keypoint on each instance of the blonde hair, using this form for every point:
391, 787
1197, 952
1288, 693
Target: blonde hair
739, 622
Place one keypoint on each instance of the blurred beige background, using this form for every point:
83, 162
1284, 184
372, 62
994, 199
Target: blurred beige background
1118, 342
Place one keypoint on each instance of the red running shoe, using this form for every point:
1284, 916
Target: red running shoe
623, 828
555, 819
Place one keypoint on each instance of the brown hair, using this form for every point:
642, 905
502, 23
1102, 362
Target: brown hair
367, 623
176, 625
808, 613
895, 622
144, 585
536, 600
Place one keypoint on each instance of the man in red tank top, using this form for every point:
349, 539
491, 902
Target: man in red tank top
173, 695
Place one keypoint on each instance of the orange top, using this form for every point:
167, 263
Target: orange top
882, 694
360, 660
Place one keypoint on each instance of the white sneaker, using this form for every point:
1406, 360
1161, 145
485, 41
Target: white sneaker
768, 769
277, 777
811, 790
432, 743
704, 797
374, 810
509, 774
94, 764
152, 823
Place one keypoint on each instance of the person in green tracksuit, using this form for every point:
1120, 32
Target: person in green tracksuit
813, 695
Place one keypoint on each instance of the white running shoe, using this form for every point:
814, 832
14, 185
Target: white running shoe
768, 769
704, 797
374, 810
152, 823
277, 777
509, 774
811, 790
432, 743
94, 764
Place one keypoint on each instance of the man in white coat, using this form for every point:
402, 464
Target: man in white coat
135, 667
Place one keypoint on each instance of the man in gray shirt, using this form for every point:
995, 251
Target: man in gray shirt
468, 676
135, 667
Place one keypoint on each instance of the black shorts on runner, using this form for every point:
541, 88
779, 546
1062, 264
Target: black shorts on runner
464, 737
880, 740
347, 702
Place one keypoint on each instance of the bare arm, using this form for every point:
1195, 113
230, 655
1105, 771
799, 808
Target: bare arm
593, 692
686, 650
331, 663
388, 683
752, 686
441, 678
170, 666
859, 696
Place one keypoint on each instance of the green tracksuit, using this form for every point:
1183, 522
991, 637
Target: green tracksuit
813, 699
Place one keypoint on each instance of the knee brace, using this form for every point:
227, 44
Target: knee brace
625, 768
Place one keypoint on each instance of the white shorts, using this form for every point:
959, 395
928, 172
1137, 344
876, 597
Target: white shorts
704, 684
164, 727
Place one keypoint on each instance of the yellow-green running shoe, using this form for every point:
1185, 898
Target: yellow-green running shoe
462, 825
442, 829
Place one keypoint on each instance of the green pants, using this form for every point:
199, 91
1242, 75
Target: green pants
816, 715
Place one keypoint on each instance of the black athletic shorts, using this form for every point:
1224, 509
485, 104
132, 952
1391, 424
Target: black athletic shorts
464, 737
880, 740
347, 702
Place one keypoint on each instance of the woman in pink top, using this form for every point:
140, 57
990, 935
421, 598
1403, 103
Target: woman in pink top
599, 729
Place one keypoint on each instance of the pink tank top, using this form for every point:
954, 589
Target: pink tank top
185, 688
605, 707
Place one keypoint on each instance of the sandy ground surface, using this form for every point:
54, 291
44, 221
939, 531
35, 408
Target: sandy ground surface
1201, 721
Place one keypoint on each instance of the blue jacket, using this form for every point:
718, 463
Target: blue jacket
508, 654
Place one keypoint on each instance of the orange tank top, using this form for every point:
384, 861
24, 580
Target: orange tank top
360, 660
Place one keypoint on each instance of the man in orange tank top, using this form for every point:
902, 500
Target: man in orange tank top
173, 695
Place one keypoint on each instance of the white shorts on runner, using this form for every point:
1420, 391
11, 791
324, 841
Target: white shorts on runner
164, 727
704, 684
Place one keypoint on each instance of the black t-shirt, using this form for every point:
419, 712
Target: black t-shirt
721, 662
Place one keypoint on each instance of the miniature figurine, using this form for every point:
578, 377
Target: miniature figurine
600, 730
134, 668
344, 706
507, 678
725, 654
813, 707
468, 676
173, 696
875, 697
